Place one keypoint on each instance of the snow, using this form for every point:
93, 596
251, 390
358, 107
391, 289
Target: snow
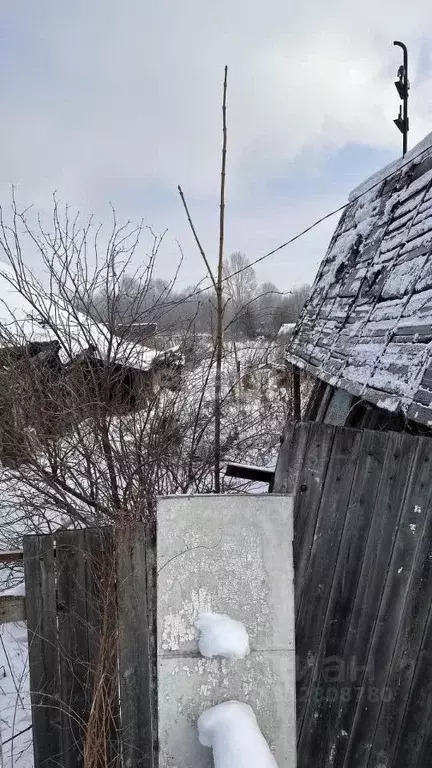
15, 709
231, 729
18, 591
379, 293
220, 635
393, 167
286, 329
15, 725
22, 319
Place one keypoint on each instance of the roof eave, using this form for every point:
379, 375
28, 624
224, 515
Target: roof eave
386, 400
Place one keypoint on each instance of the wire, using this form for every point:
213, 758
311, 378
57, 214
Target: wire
323, 218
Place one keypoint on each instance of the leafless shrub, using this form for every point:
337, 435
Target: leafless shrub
93, 425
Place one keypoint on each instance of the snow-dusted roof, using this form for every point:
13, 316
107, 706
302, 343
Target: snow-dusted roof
20, 319
367, 326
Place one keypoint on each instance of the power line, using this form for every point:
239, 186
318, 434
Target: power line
323, 218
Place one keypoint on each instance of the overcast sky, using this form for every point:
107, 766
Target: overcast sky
119, 102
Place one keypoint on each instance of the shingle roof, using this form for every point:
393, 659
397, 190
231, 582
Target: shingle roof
367, 326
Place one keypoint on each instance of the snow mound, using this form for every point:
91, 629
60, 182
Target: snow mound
231, 729
219, 635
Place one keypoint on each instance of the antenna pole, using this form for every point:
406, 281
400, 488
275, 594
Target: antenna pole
402, 87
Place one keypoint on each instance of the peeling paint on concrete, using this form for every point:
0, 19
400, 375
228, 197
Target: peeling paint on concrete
233, 555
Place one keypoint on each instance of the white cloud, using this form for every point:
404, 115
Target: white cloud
132, 91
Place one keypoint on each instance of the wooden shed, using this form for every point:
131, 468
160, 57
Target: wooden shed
362, 486
366, 331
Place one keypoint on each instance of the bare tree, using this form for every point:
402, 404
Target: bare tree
219, 295
218, 287
90, 423
240, 279
92, 426
288, 310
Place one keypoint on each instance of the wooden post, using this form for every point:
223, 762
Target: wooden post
137, 684
219, 301
296, 393
74, 660
43, 649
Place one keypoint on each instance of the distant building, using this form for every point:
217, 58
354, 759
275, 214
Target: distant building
68, 355
142, 333
285, 331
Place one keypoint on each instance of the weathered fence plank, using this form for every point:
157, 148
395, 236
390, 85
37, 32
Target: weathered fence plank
364, 593
73, 644
291, 457
329, 676
43, 651
371, 584
409, 535
414, 745
101, 608
311, 479
138, 726
410, 636
89, 616
323, 556
151, 570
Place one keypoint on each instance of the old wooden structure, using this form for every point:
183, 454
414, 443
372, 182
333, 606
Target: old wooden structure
363, 588
366, 330
90, 608
63, 363
360, 466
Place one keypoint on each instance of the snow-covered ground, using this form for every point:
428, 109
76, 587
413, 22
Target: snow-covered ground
15, 726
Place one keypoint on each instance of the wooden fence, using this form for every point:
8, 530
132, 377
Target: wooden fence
363, 572
90, 610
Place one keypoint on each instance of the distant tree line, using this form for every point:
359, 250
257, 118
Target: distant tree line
251, 309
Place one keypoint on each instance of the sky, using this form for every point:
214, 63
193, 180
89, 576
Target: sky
119, 102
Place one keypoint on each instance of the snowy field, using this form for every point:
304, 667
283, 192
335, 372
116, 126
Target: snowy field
14, 697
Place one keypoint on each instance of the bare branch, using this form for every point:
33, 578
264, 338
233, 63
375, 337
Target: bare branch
201, 249
219, 296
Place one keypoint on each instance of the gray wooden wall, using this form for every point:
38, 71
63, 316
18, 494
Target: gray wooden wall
91, 629
363, 588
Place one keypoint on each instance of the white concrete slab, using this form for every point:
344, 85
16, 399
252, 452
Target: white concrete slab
228, 554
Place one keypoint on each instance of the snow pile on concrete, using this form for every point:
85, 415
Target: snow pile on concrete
231, 729
219, 635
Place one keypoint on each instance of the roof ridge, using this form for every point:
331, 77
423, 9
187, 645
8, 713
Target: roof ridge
396, 165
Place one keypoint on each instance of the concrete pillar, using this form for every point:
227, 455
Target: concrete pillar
227, 554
